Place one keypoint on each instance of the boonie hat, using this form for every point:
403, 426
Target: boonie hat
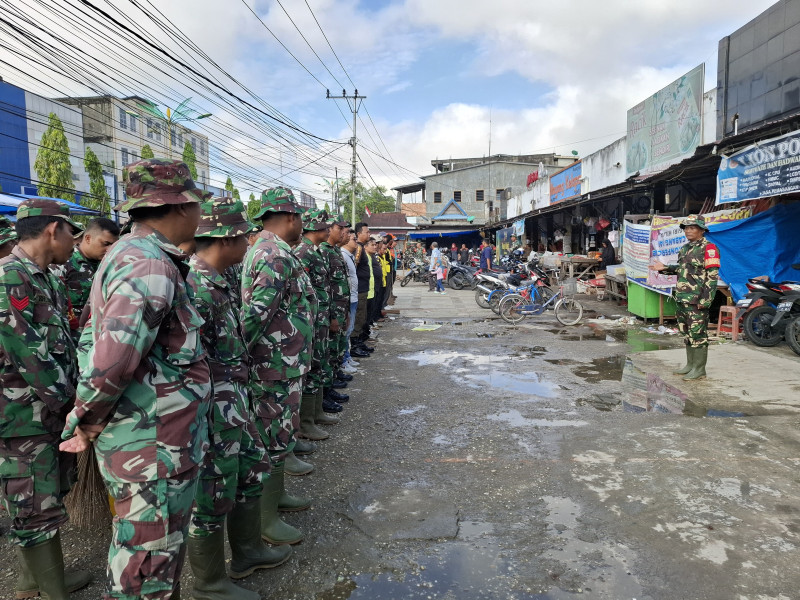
223, 218
41, 207
315, 220
338, 220
696, 220
278, 199
7, 232
159, 182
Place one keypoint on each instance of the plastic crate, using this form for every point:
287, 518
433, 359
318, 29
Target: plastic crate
570, 286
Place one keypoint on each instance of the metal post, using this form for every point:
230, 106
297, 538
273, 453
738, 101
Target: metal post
354, 109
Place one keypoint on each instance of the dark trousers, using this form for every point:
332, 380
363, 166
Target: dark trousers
361, 317
431, 280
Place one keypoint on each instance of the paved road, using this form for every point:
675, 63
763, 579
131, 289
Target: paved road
484, 461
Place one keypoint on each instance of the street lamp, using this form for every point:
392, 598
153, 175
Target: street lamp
181, 114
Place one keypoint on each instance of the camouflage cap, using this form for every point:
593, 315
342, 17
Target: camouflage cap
696, 220
278, 199
42, 207
315, 220
338, 220
158, 182
7, 232
223, 218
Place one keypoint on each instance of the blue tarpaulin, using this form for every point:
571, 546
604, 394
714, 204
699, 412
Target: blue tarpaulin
434, 233
10, 202
765, 244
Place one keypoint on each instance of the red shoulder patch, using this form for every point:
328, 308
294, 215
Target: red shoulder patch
19, 303
711, 256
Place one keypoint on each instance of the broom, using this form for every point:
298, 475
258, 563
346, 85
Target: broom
88, 502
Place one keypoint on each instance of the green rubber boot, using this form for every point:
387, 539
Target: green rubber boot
689, 362
699, 366
308, 429
211, 582
304, 447
295, 466
289, 503
26, 582
320, 416
273, 530
248, 551
46, 562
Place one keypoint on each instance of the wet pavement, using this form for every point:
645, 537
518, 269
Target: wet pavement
482, 460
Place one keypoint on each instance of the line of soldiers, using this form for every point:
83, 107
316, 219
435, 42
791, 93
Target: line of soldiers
194, 381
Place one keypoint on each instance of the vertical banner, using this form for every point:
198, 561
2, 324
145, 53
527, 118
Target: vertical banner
636, 252
666, 239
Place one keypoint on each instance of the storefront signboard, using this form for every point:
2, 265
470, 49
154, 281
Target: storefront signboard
566, 183
764, 169
666, 127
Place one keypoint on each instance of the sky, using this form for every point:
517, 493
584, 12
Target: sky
551, 77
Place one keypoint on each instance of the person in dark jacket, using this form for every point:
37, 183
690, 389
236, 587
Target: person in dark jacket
608, 257
463, 254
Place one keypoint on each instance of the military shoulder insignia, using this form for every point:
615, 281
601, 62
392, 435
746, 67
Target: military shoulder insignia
358, 254
19, 303
152, 317
712, 257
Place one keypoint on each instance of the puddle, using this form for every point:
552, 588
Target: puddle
410, 411
441, 440
636, 339
563, 361
647, 392
440, 357
532, 351
485, 335
608, 368
528, 383
516, 419
471, 567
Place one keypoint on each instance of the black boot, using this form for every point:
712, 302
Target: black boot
342, 376
336, 396
338, 385
330, 406
358, 352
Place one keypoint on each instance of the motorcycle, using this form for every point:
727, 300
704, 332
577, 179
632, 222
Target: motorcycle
460, 276
488, 282
417, 272
770, 306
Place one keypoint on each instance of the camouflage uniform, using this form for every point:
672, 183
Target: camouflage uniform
232, 468
77, 274
698, 272
147, 381
277, 320
339, 307
316, 266
7, 234
38, 371
233, 275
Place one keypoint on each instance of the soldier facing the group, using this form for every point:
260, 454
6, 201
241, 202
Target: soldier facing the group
193, 392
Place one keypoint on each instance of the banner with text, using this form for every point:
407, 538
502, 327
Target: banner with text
636, 252
566, 183
667, 126
767, 168
666, 239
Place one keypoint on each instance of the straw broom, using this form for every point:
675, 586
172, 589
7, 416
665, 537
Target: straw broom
88, 502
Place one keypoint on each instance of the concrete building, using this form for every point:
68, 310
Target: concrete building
116, 129
24, 118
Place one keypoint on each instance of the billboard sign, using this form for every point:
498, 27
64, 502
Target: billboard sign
767, 168
566, 183
666, 127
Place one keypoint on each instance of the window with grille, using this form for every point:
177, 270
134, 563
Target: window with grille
172, 136
457, 196
150, 128
133, 123
437, 197
123, 118
478, 195
194, 144
125, 158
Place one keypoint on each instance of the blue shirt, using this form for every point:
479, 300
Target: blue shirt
486, 257
435, 256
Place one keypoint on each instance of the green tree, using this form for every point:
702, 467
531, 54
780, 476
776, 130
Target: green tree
253, 206
229, 184
190, 159
147, 152
52, 163
374, 197
327, 208
236, 194
98, 196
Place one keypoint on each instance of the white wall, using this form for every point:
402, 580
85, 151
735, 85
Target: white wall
604, 168
709, 117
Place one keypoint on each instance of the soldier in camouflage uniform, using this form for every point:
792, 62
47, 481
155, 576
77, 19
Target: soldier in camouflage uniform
8, 237
78, 272
231, 476
277, 319
38, 371
144, 394
339, 292
698, 273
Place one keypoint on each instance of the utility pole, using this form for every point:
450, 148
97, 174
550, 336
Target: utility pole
354, 109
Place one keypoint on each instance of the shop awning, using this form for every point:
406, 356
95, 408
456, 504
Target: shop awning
426, 233
10, 202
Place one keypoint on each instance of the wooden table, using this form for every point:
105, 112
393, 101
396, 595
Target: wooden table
617, 287
581, 262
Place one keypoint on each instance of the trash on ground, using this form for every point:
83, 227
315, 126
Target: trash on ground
426, 328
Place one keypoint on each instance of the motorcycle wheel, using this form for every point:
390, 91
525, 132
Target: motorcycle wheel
481, 300
568, 311
510, 308
758, 327
457, 281
494, 301
404, 281
792, 334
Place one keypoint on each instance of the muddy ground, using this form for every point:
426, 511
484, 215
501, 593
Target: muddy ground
482, 460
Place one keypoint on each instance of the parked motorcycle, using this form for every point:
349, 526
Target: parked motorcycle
770, 306
417, 272
460, 276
